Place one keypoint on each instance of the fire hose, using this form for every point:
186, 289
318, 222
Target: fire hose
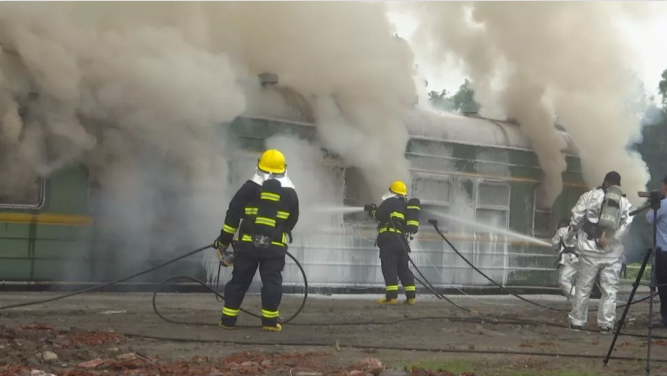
422, 280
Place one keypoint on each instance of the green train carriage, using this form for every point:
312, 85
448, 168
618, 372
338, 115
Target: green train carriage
53, 235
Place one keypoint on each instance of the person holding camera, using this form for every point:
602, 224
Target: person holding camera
600, 220
661, 243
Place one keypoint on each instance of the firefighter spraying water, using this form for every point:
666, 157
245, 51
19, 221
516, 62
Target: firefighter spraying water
398, 220
600, 220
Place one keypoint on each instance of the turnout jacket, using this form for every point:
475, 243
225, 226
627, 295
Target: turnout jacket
244, 206
391, 215
588, 209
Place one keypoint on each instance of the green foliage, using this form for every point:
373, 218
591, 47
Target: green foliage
633, 271
462, 101
440, 100
662, 88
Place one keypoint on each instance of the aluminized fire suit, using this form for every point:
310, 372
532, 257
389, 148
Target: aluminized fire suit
594, 259
567, 263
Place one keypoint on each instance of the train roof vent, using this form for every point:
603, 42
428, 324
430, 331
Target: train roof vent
268, 79
469, 109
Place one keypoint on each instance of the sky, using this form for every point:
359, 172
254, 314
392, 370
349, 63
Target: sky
648, 38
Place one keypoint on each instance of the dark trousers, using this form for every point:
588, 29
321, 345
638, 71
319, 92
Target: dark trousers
271, 263
394, 261
661, 280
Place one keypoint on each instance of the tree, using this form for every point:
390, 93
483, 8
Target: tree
440, 100
462, 101
662, 89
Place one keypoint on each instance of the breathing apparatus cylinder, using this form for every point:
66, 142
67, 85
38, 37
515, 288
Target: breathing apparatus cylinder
264, 227
611, 210
412, 216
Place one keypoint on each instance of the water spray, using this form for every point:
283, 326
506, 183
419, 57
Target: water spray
508, 233
337, 209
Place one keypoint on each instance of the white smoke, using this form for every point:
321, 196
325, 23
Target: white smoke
550, 58
136, 92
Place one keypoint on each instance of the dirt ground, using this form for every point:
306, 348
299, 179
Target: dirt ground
109, 334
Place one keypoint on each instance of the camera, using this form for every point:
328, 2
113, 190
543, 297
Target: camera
652, 195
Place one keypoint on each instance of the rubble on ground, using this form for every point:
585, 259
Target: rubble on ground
42, 350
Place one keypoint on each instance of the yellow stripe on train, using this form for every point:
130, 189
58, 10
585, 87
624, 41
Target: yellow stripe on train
47, 219
82, 220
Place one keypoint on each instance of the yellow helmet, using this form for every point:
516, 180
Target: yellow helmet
272, 161
399, 188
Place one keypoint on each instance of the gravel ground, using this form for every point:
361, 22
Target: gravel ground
118, 333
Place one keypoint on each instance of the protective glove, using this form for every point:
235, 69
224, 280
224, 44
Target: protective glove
226, 257
370, 208
225, 254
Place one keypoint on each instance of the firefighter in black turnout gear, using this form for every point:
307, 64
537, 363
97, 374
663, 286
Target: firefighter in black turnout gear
267, 208
397, 220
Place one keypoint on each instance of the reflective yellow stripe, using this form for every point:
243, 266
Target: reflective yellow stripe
229, 229
270, 314
410, 288
373, 213
282, 215
284, 240
390, 229
392, 288
250, 211
414, 207
246, 238
230, 312
270, 196
397, 215
265, 221
413, 223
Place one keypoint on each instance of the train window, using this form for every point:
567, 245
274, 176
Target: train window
542, 223
432, 190
357, 193
541, 217
492, 217
30, 196
493, 195
493, 204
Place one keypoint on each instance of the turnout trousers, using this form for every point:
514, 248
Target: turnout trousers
271, 263
394, 261
588, 268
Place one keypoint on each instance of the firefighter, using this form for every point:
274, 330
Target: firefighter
393, 244
267, 208
567, 259
600, 220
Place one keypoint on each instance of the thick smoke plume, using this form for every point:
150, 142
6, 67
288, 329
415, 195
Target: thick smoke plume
533, 61
135, 91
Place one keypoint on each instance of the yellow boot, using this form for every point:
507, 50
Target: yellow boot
411, 301
276, 328
226, 327
387, 301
